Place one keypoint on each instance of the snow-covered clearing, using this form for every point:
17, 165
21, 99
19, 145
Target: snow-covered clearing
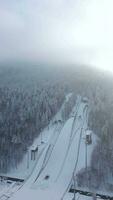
8, 189
49, 136
61, 155
51, 180
25, 168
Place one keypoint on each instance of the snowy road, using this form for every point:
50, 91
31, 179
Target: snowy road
51, 178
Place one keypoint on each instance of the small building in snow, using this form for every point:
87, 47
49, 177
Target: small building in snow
34, 152
88, 137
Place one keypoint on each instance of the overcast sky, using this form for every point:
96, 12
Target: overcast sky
67, 31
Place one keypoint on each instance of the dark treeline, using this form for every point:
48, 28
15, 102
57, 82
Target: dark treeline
31, 96
25, 109
101, 122
98, 88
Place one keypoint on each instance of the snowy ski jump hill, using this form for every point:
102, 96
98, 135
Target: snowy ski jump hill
53, 174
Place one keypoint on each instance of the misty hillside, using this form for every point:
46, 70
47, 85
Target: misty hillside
31, 96
56, 99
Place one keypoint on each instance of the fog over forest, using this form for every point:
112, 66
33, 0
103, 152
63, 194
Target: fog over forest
30, 95
49, 49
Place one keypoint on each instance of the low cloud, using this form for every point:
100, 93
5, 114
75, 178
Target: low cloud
57, 31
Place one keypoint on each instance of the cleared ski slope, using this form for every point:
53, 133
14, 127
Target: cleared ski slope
59, 164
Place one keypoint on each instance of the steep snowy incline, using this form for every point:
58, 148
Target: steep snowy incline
44, 157
50, 132
53, 181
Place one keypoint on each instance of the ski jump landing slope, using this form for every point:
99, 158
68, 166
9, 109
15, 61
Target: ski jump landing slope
53, 179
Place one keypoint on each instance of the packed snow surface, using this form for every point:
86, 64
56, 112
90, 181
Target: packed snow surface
54, 171
61, 155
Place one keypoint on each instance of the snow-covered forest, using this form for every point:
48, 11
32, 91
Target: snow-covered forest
25, 109
31, 96
98, 88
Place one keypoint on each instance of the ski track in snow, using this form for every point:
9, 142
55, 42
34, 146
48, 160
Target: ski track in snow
61, 164
59, 160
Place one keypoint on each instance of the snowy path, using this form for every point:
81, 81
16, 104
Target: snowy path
54, 178
45, 153
26, 166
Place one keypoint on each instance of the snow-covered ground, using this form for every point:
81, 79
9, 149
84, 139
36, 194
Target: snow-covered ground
51, 178
49, 136
25, 168
8, 189
60, 157
70, 196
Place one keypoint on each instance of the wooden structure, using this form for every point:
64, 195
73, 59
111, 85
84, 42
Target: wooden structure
88, 138
90, 194
34, 151
8, 179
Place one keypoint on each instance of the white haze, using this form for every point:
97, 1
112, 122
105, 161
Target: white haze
62, 31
